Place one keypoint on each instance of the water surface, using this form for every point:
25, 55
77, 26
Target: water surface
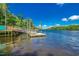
56, 43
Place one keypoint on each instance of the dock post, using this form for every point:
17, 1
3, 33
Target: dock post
11, 37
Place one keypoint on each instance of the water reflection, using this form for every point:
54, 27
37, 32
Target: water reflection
15, 45
55, 43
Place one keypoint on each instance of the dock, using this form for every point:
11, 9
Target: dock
36, 34
10, 33
19, 32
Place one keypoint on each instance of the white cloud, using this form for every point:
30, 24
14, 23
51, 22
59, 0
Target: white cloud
64, 19
74, 17
39, 26
60, 4
45, 25
57, 24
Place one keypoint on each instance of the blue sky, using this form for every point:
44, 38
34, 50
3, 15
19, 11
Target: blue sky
50, 14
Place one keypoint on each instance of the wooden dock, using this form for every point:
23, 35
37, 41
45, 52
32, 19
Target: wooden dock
19, 32
10, 33
37, 35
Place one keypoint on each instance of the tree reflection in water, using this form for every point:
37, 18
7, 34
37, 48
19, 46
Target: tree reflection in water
23, 45
10, 45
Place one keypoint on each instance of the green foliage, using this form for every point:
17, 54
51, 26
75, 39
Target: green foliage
12, 20
70, 27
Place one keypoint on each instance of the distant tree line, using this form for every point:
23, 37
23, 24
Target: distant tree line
70, 27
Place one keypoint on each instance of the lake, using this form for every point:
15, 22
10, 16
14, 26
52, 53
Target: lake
56, 43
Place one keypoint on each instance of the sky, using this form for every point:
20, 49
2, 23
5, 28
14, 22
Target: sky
50, 14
